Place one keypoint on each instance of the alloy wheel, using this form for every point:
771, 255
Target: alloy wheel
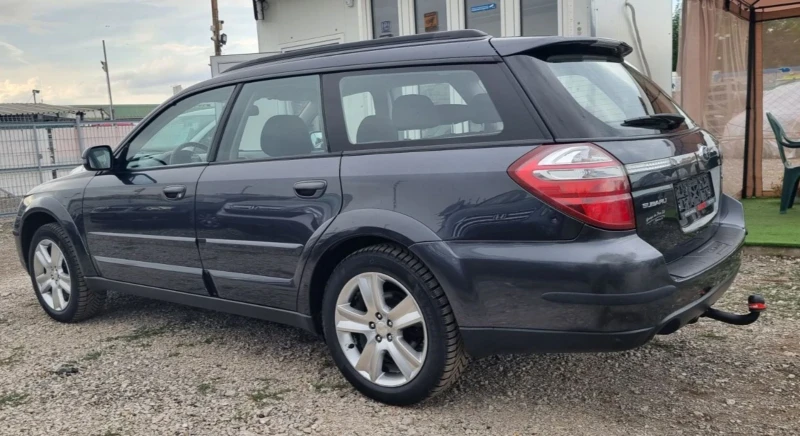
52, 275
381, 329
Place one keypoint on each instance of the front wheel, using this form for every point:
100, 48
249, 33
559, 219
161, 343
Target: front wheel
57, 277
390, 327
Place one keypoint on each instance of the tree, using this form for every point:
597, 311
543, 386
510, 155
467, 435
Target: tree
780, 41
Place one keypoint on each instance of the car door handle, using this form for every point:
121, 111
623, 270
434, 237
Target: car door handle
310, 188
175, 192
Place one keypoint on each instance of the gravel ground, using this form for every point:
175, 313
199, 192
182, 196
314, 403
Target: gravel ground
147, 367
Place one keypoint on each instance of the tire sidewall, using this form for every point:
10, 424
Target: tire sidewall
47, 232
433, 367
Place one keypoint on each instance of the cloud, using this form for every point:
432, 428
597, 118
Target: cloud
152, 45
162, 72
12, 52
17, 92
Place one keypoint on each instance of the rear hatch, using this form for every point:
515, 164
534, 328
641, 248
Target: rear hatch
587, 94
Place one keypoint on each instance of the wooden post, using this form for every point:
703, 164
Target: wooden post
758, 113
215, 28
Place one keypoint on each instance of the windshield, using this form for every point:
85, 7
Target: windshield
185, 128
601, 95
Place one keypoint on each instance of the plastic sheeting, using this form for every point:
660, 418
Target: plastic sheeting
712, 69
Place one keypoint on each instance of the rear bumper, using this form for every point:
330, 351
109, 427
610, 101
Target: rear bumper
604, 291
481, 342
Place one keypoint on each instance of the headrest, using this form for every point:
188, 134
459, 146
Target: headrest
376, 129
483, 110
286, 135
412, 112
453, 113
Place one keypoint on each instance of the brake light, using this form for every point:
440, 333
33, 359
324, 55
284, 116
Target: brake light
581, 180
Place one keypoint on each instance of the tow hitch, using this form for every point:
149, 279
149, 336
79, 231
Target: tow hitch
755, 303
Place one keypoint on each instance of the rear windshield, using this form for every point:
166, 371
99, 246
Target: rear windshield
592, 98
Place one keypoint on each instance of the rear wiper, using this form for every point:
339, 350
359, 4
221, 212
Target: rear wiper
656, 121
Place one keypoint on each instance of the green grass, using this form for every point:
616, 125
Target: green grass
144, 332
321, 386
13, 399
266, 393
712, 335
205, 388
766, 226
92, 355
14, 358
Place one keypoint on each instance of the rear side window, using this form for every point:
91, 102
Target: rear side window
593, 98
428, 106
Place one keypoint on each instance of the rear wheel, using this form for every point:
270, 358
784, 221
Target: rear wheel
57, 277
389, 326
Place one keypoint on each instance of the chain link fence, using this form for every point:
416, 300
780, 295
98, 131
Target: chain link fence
34, 153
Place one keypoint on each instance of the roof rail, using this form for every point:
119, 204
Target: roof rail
367, 44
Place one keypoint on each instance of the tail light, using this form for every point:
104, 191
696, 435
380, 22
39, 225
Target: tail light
581, 180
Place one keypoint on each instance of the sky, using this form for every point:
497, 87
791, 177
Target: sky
55, 46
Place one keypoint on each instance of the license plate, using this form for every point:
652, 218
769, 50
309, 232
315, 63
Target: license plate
695, 197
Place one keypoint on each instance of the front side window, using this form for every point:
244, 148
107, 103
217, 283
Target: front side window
181, 134
391, 109
431, 15
484, 15
385, 19
273, 119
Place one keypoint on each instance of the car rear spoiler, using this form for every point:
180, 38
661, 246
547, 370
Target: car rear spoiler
548, 48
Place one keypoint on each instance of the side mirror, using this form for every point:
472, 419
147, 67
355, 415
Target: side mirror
98, 158
317, 139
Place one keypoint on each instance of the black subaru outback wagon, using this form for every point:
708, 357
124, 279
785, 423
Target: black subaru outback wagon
414, 199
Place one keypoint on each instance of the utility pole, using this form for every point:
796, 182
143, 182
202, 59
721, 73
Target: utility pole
104, 63
34, 92
215, 28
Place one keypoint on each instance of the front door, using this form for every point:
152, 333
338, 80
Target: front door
272, 186
139, 218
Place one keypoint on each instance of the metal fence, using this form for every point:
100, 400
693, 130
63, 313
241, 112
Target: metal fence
34, 153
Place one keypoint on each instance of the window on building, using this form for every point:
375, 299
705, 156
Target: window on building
275, 118
484, 15
385, 19
539, 17
431, 15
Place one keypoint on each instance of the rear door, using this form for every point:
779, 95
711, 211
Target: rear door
271, 190
140, 218
587, 94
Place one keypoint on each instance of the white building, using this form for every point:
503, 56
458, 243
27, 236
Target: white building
286, 25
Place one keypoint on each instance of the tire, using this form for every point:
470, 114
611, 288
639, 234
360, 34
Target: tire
79, 302
398, 271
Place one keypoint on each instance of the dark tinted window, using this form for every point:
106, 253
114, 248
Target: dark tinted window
429, 106
431, 15
484, 15
385, 19
593, 97
421, 104
539, 17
